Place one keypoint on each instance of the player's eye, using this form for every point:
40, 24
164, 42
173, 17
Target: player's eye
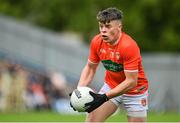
108, 26
101, 26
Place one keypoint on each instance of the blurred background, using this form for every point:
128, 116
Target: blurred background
44, 46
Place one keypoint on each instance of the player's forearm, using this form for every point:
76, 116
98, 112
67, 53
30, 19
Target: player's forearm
122, 88
87, 75
129, 83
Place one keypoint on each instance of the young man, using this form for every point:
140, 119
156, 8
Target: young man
125, 81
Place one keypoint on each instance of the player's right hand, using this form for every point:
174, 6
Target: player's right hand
72, 106
70, 102
70, 94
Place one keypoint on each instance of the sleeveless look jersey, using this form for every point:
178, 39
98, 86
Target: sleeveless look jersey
117, 58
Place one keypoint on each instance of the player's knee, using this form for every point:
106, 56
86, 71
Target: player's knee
90, 117
137, 119
137, 116
94, 117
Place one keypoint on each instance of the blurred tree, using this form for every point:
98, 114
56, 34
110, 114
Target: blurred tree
154, 24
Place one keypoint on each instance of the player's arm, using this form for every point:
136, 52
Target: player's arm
129, 83
89, 70
87, 74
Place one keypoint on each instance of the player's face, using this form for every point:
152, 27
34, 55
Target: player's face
110, 32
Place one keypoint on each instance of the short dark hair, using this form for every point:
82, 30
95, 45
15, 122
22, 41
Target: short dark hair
109, 14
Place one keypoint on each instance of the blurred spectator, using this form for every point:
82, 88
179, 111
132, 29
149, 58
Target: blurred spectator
17, 88
35, 97
23, 89
12, 86
60, 103
5, 82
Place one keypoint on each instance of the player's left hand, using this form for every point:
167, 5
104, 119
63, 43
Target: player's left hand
98, 100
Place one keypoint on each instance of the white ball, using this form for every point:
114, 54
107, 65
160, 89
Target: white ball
80, 97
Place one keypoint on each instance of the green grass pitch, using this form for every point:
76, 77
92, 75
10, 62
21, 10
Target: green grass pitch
55, 117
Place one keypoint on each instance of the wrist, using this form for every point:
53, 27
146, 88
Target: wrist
106, 97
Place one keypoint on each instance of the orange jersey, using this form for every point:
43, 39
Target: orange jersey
123, 56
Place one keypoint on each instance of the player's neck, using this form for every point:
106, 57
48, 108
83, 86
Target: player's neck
116, 40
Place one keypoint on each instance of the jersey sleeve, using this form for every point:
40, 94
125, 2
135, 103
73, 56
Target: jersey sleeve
93, 56
131, 58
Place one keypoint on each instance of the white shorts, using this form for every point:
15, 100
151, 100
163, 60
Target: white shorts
135, 105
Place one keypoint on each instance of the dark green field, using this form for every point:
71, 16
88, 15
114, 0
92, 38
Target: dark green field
54, 117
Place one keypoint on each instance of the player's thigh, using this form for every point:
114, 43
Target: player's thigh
102, 113
136, 107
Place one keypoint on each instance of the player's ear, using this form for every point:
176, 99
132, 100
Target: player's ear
120, 27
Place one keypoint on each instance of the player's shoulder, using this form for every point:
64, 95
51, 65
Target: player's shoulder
128, 41
96, 40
